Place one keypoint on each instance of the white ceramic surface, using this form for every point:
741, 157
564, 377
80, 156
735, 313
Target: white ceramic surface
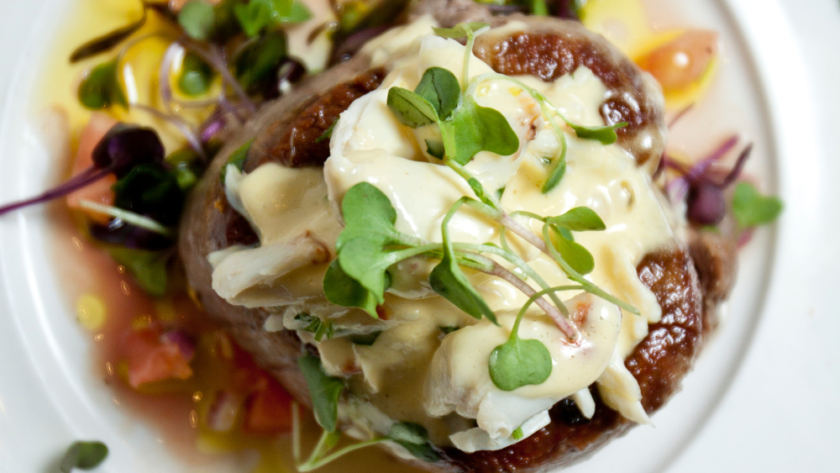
761, 397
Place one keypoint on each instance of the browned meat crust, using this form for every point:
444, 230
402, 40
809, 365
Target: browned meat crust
286, 131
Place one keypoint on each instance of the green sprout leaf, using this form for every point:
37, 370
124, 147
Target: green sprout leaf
579, 219
441, 89
414, 438
474, 128
578, 257
558, 170
256, 64
327, 134
196, 76
605, 134
751, 208
363, 245
519, 363
324, 390
237, 158
341, 289
448, 330
411, 109
517, 433
539, 8
460, 30
259, 15
316, 326
101, 88
450, 282
84, 456
435, 149
197, 18
149, 268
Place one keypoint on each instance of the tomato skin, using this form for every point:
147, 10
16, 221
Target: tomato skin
150, 359
681, 62
269, 410
100, 191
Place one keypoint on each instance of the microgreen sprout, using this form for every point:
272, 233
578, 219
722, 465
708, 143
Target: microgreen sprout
83, 456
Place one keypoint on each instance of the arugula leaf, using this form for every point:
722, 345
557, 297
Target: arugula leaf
474, 128
441, 89
197, 18
196, 76
751, 208
324, 390
414, 438
578, 219
237, 158
84, 456
451, 283
101, 88
411, 109
460, 30
519, 363
341, 289
147, 267
256, 64
605, 134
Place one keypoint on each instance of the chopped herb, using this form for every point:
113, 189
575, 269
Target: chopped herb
237, 158
414, 438
84, 456
316, 325
327, 134
448, 330
752, 209
517, 433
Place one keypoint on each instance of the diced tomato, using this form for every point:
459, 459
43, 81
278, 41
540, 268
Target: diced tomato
150, 359
100, 191
269, 410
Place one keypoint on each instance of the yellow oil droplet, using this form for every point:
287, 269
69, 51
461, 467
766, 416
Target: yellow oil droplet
125, 289
141, 322
193, 419
197, 396
77, 243
99, 337
109, 368
121, 269
515, 91
90, 310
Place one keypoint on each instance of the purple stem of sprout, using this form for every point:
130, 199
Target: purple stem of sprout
79, 181
546, 306
679, 186
181, 125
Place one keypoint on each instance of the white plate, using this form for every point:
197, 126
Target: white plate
761, 397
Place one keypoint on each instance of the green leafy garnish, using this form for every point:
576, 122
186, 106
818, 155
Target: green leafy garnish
441, 89
84, 456
324, 391
196, 76
363, 245
474, 128
518, 434
752, 209
149, 268
237, 158
341, 289
365, 340
435, 149
259, 15
605, 134
414, 438
197, 18
410, 108
578, 219
539, 8
316, 325
518, 362
327, 134
449, 281
448, 330
256, 64
460, 30
101, 88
